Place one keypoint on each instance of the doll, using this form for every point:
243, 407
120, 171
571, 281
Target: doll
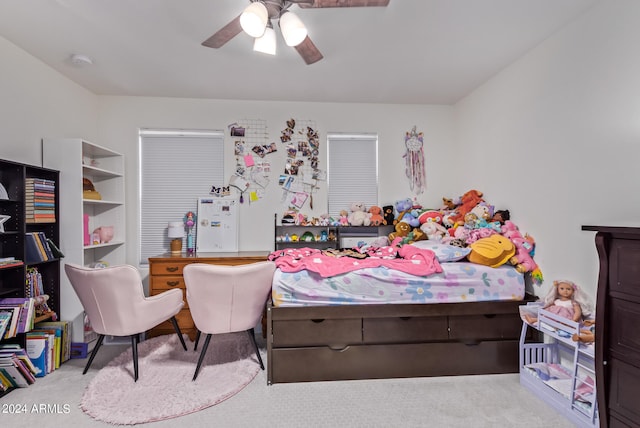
567, 300
587, 333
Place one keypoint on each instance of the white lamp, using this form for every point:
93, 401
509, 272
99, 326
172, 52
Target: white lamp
266, 43
176, 232
293, 30
253, 19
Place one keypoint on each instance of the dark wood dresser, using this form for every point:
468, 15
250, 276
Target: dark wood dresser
618, 325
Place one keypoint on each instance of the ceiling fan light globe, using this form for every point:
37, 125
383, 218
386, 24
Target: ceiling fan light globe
266, 43
292, 28
254, 18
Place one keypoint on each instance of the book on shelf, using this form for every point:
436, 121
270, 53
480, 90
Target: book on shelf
38, 352
18, 351
25, 306
64, 328
12, 373
7, 262
10, 358
11, 329
55, 342
31, 249
57, 253
5, 320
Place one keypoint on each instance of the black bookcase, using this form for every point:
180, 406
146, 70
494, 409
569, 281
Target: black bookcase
14, 232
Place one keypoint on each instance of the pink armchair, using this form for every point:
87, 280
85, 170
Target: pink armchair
114, 300
226, 299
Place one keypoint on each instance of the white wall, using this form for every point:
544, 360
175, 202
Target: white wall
555, 138
121, 117
37, 101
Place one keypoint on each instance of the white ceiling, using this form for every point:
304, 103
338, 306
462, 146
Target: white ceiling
413, 51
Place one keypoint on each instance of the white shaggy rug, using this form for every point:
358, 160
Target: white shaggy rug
164, 388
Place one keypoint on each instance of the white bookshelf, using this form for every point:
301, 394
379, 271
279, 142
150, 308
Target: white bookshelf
76, 159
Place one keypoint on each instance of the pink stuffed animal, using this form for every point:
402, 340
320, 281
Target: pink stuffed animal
525, 245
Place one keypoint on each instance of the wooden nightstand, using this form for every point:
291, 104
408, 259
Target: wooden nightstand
165, 273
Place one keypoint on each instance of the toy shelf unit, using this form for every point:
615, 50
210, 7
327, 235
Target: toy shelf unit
558, 369
295, 236
325, 237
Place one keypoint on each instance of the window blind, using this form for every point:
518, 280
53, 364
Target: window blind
176, 168
352, 174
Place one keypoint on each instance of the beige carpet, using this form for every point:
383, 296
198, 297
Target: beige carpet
460, 401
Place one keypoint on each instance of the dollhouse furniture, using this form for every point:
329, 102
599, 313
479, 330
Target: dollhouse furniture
114, 300
227, 299
558, 369
617, 331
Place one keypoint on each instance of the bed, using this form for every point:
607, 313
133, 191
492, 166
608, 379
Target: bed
388, 322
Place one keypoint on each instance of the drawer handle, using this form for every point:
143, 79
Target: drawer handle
173, 283
317, 320
340, 348
172, 268
489, 315
471, 342
405, 318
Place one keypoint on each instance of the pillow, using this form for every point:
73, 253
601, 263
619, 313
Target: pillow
444, 252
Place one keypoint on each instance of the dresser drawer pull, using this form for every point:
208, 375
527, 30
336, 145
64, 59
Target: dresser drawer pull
173, 283
172, 268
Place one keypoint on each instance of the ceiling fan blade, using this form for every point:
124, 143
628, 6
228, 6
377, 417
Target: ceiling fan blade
340, 3
225, 34
308, 51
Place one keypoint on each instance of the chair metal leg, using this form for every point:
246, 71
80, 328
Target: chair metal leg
176, 327
195, 346
134, 348
94, 352
202, 353
252, 335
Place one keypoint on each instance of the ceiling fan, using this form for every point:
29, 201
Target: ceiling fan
256, 19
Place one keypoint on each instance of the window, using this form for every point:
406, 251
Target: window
352, 174
176, 168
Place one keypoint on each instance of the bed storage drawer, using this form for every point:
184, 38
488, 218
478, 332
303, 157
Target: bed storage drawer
404, 329
485, 327
392, 361
332, 332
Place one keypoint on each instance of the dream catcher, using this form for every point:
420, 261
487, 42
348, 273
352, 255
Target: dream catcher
414, 161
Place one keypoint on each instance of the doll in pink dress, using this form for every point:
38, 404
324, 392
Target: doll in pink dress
567, 300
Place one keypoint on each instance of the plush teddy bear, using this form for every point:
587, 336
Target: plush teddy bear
402, 229
359, 215
402, 207
468, 201
376, 218
389, 215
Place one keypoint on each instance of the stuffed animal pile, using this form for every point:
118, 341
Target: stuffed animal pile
468, 221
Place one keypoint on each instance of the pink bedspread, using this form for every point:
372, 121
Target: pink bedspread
412, 260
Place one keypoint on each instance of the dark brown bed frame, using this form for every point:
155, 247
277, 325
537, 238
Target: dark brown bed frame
322, 343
